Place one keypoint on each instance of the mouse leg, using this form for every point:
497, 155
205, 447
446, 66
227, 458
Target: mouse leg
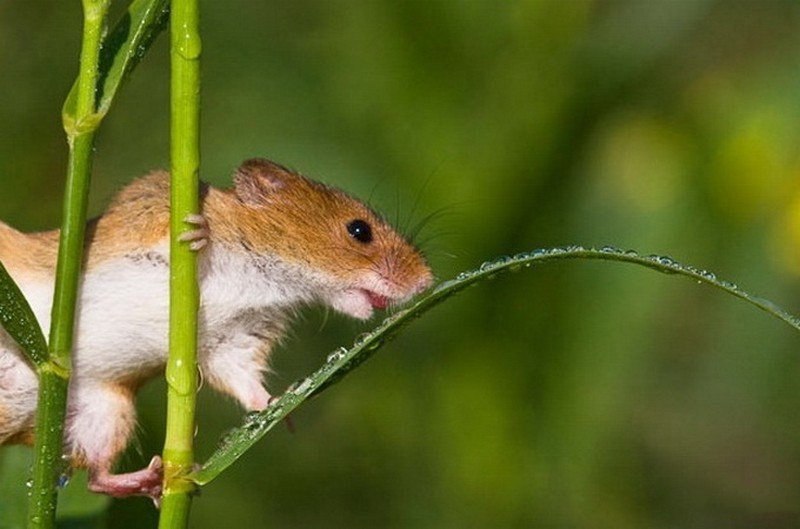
18, 395
243, 385
236, 368
198, 237
100, 424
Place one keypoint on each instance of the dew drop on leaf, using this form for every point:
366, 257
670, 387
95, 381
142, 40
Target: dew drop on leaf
336, 355
305, 385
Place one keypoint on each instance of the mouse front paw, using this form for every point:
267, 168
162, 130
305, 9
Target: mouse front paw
198, 237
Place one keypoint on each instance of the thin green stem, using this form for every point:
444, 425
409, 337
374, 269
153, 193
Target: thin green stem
70, 251
53, 383
184, 296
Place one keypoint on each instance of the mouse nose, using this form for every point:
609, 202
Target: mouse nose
424, 282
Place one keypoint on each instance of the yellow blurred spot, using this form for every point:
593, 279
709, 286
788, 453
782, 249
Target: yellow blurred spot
749, 170
786, 235
641, 162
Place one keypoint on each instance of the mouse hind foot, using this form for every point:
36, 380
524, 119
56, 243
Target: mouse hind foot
144, 482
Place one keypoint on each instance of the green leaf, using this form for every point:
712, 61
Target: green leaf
18, 320
342, 361
123, 48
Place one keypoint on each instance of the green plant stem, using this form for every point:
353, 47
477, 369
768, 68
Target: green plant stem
123, 48
184, 296
47, 450
70, 251
54, 375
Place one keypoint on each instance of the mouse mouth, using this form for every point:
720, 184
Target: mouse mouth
360, 302
361, 299
376, 300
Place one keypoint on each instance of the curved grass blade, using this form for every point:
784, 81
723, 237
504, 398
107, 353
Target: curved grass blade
18, 320
343, 360
123, 48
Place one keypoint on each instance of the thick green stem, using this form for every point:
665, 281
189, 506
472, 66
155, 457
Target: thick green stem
54, 375
184, 296
47, 462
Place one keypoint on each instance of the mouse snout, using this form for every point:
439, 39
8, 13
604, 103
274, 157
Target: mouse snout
411, 274
424, 282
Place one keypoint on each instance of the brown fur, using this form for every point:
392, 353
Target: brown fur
28, 254
25, 437
272, 216
138, 217
125, 423
271, 210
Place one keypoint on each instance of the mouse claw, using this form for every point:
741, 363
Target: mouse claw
197, 238
196, 218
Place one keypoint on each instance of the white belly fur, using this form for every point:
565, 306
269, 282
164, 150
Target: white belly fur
122, 324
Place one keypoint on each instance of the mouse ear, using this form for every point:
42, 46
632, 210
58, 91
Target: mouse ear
256, 178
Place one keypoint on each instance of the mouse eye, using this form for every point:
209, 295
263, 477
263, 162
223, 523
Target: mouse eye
360, 230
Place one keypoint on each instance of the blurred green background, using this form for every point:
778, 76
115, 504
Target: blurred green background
586, 395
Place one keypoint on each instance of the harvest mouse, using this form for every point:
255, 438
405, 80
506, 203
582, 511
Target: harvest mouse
274, 241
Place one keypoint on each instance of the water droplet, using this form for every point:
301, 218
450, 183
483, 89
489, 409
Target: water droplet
65, 471
63, 480
711, 276
610, 249
663, 260
189, 46
253, 421
488, 265
336, 355
305, 385
361, 339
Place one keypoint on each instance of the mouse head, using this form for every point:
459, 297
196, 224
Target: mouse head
355, 261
